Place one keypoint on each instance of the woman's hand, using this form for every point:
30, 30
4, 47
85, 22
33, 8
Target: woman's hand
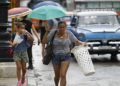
46, 25
10, 42
84, 44
25, 32
81, 43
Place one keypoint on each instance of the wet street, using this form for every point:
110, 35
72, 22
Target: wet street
107, 73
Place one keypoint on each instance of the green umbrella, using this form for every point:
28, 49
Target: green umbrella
47, 12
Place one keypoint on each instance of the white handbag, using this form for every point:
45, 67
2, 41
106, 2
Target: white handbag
84, 59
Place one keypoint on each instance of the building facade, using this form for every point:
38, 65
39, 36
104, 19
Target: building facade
14, 3
18, 3
98, 4
68, 4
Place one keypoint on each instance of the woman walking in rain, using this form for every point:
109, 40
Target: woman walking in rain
61, 49
20, 55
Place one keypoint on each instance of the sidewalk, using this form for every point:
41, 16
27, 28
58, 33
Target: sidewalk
8, 81
43, 75
30, 73
107, 74
40, 72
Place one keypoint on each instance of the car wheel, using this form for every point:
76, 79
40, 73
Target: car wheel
114, 57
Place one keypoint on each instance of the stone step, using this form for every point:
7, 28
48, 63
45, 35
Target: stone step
7, 70
8, 81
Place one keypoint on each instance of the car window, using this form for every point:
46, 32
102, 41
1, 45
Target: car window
67, 19
98, 20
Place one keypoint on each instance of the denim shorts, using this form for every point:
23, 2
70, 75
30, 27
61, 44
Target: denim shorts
58, 58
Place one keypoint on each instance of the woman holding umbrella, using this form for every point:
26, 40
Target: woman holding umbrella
47, 12
61, 49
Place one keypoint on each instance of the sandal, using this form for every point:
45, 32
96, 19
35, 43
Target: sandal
23, 80
19, 83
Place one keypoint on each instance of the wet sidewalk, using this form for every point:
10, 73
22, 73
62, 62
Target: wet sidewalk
107, 73
38, 76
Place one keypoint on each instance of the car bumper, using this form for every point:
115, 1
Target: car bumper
104, 49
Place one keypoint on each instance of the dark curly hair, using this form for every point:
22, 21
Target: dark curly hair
61, 23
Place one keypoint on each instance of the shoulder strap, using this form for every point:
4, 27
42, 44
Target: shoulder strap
51, 42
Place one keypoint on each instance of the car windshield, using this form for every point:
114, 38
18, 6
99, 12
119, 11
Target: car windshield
98, 20
67, 19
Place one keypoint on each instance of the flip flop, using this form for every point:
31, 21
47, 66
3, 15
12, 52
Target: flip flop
19, 83
23, 80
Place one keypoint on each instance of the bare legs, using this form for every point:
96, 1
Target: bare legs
57, 74
60, 73
21, 70
18, 70
63, 71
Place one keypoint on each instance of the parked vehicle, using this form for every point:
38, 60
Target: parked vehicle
68, 18
101, 30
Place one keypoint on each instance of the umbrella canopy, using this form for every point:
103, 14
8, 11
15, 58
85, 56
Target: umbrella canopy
45, 3
47, 12
18, 12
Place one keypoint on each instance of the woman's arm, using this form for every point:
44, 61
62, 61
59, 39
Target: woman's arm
36, 34
48, 35
45, 38
13, 43
29, 36
77, 42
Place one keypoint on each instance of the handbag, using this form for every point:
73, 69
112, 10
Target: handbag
10, 52
49, 51
84, 59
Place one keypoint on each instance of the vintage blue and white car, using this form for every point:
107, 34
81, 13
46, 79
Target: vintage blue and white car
101, 30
